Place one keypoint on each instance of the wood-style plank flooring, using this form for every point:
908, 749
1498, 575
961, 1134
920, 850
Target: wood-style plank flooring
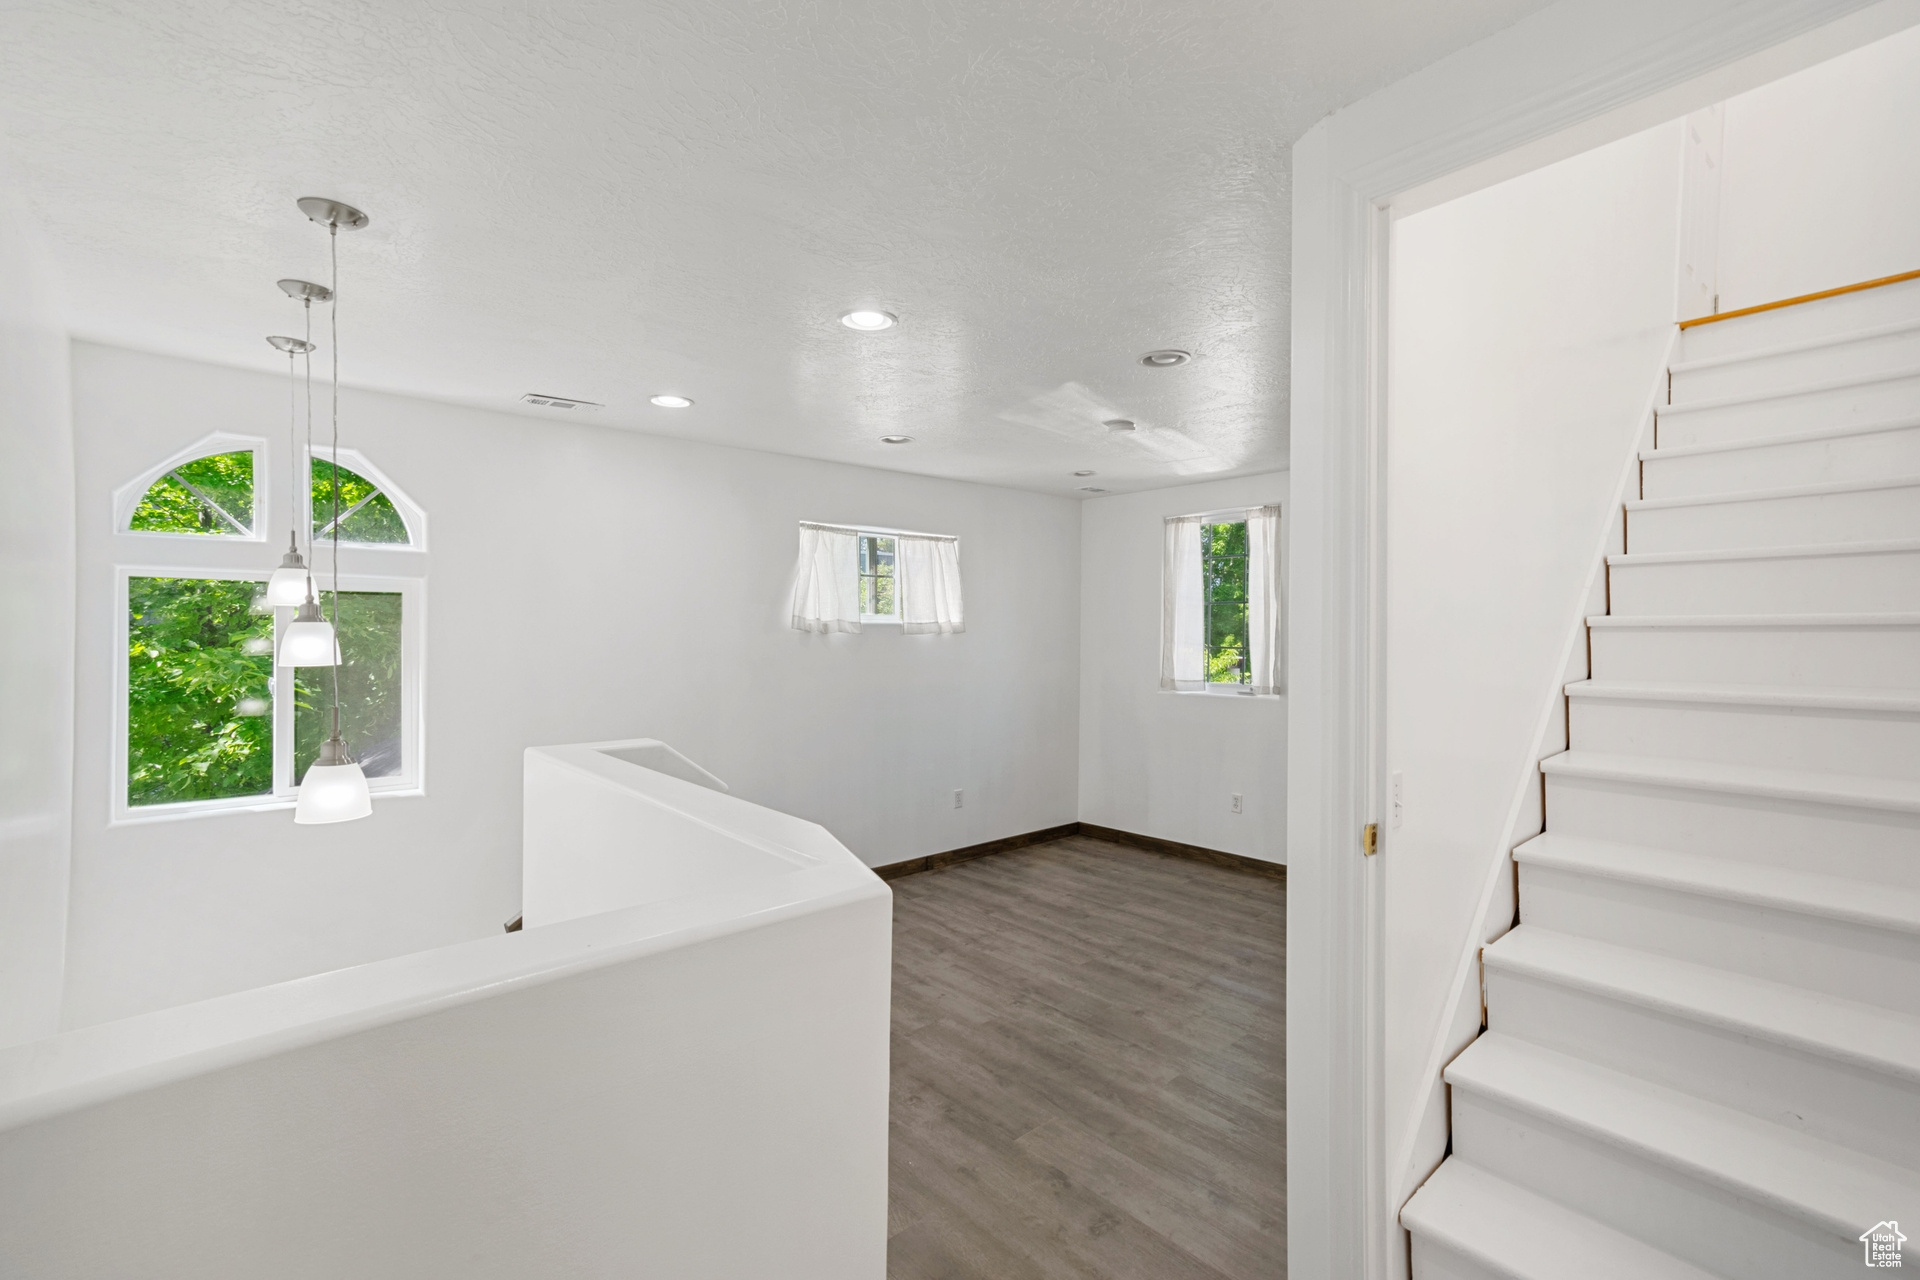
1088, 1069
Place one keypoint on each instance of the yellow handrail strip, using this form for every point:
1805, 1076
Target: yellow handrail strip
1805, 297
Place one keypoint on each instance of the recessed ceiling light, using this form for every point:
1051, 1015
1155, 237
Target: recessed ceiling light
896, 439
1091, 488
673, 402
1118, 424
1166, 359
1083, 473
869, 321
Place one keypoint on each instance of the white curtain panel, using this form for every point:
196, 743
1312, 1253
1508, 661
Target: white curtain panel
1183, 655
826, 581
1266, 599
928, 574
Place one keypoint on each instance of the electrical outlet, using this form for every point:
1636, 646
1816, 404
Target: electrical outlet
1398, 806
959, 798
1236, 802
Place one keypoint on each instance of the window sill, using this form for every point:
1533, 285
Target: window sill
146, 815
1222, 695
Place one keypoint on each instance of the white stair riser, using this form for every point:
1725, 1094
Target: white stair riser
1778, 415
1880, 353
1435, 1260
1857, 843
1853, 962
1880, 744
1879, 582
1829, 317
1665, 1206
1868, 1110
1804, 657
1871, 515
1869, 456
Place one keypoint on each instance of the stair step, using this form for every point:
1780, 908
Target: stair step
1812, 578
1888, 447
1853, 902
1875, 733
1855, 828
1836, 1069
1871, 650
1767, 940
1469, 1225
1742, 780
1832, 402
1838, 317
1875, 510
1702, 1182
1824, 356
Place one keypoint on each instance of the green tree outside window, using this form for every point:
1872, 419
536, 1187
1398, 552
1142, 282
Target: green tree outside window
366, 514
199, 690
1223, 581
211, 495
370, 704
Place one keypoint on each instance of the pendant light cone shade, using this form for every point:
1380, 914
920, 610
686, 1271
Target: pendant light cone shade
332, 793
334, 790
308, 640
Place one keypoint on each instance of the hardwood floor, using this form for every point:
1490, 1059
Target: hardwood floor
1088, 1069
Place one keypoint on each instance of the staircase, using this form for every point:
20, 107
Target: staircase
1702, 1056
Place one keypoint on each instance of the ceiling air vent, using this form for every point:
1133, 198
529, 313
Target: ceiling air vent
559, 402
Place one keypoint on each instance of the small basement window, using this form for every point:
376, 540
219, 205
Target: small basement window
211, 495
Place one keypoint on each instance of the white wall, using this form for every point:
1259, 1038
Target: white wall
1166, 764
1821, 181
583, 584
1528, 325
36, 632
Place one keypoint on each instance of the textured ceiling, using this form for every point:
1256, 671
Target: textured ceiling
611, 200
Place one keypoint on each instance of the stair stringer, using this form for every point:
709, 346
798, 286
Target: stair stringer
1419, 1150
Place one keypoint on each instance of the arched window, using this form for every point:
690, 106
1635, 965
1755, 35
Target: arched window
206, 719
209, 494
373, 513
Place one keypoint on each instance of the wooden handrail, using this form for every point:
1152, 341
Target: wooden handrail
1805, 297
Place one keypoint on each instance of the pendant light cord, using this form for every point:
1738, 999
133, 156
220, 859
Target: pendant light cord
333, 317
305, 498
293, 452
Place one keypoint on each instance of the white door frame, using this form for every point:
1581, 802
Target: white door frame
1570, 77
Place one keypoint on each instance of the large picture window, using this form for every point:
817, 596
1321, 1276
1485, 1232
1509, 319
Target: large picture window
211, 723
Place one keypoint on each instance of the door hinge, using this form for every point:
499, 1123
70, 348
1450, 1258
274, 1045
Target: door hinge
1370, 839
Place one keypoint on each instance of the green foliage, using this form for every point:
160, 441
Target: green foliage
876, 576
369, 631
199, 662
366, 514
1223, 580
185, 499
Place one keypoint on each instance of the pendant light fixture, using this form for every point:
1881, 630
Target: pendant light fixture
290, 583
335, 787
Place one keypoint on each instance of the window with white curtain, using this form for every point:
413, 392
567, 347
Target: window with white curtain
1223, 595
847, 576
